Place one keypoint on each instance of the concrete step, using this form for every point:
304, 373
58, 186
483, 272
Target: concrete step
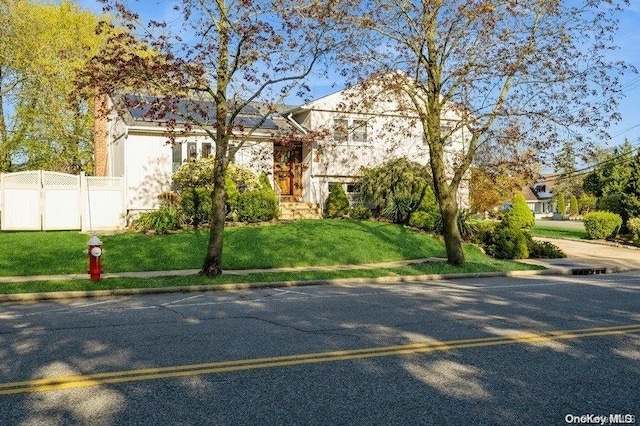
293, 211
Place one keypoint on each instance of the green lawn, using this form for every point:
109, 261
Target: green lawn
476, 263
558, 232
299, 243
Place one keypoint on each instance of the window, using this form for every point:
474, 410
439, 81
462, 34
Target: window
359, 134
206, 150
176, 155
192, 151
353, 193
340, 130
346, 130
446, 132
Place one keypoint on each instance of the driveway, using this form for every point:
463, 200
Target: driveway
582, 254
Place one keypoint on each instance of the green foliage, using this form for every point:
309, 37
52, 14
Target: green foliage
337, 204
396, 188
195, 174
244, 178
196, 205
42, 47
199, 174
573, 206
232, 194
399, 207
360, 212
508, 241
484, 229
520, 214
601, 225
544, 250
168, 218
256, 206
616, 182
633, 225
587, 203
561, 206
423, 220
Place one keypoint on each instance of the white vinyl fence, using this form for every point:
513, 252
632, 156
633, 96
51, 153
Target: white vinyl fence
40, 200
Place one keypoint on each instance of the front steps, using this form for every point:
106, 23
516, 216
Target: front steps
290, 210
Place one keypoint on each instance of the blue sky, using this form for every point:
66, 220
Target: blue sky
628, 40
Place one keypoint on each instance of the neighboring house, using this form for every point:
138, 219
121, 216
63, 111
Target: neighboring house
131, 144
539, 197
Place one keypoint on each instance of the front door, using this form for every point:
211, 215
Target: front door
288, 169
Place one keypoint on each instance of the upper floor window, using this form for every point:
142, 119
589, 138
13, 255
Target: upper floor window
359, 134
345, 130
340, 130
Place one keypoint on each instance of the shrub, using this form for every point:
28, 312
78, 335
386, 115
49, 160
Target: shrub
399, 207
161, 221
244, 178
360, 212
633, 225
195, 174
601, 225
232, 194
508, 242
196, 205
423, 220
519, 213
560, 204
544, 250
256, 206
337, 204
484, 230
396, 188
573, 206
587, 203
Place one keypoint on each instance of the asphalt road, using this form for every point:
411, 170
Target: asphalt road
538, 350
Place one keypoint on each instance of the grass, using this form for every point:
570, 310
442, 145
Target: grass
558, 232
476, 263
299, 243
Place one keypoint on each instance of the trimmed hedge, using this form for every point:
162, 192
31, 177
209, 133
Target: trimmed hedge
601, 225
633, 225
256, 206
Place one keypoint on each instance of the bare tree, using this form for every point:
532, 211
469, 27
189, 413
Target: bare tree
537, 66
227, 54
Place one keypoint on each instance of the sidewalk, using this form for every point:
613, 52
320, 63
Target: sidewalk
187, 272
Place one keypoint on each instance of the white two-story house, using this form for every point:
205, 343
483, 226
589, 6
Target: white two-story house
136, 147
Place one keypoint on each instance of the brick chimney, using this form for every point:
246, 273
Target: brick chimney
100, 151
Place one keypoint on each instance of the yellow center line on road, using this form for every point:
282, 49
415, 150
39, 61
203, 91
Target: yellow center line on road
78, 381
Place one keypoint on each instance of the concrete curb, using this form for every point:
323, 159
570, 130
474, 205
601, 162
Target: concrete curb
27, 297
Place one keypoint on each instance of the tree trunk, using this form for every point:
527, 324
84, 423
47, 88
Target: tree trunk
451, 233
213, 260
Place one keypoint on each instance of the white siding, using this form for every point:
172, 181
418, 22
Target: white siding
147, 170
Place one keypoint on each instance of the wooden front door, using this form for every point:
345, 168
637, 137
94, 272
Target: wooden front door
288, 169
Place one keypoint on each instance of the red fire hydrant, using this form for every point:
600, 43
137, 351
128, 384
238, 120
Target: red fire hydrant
95, 251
